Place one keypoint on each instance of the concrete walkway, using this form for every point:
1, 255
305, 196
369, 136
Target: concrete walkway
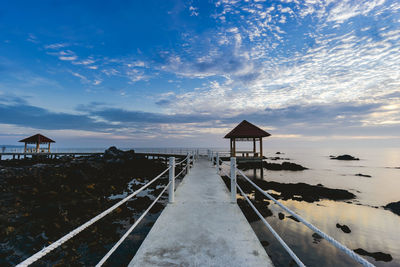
202, 228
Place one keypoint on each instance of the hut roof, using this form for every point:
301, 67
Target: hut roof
246, 130
37, 138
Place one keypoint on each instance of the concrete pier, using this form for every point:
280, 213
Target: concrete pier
201, 228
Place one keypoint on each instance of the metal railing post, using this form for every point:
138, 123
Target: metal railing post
188, 163
217, 163
233, 179
171, 189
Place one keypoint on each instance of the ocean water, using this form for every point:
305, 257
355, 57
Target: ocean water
373, 228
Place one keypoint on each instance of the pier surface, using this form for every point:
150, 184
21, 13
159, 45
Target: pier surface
201, 228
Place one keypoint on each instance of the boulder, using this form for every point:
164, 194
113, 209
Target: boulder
344, 228
113, 152
378, 256
363, 175
394, 207
344, 157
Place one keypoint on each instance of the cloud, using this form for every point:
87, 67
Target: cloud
21, 113
339, 119
56, 46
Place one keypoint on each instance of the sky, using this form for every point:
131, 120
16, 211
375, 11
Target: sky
183, 73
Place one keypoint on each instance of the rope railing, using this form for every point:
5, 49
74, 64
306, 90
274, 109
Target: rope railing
184, 169
274, 233
79, 229
330, 239
111, 251
182, 161
76, 231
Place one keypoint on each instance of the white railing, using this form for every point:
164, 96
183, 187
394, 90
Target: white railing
190, 158
215, 158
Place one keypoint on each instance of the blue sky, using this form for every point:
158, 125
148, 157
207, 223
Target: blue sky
180, 73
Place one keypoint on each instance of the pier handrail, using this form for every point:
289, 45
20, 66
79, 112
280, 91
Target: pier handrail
79, 229
330, 239
111, 251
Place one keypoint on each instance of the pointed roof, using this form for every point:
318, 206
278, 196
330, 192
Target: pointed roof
246, 130
37, 138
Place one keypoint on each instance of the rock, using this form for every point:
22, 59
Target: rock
363, 175
344, 157
249, 213
281, 216
284, 166
279, 153
265, 243
293, 218
317, 238
277, 158
39, 197
394, 207
344, 228
378, 256
113, 152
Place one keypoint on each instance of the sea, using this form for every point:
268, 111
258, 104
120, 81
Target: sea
373, 228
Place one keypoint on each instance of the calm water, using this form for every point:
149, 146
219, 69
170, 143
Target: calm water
372, 228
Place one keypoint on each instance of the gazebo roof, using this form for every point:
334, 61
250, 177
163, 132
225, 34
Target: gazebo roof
37, 138
246, 130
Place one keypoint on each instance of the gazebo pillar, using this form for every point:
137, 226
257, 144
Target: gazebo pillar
49, 148
37, 147
254, 147
234, 147
26, 144
261, 150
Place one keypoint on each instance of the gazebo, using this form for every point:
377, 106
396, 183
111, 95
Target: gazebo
37, 139
246, 131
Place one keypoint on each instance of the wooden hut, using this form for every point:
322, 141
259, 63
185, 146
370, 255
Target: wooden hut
246, 131
37, 139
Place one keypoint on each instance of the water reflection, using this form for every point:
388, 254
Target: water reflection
372, 228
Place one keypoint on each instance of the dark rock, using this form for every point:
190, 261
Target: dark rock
363, 175
279, 153
293, 218
113, 152
378, 256
249, 213
277, 158
265, 243
344, 228
394, 207
316, 238
281, 216
41, 198
345, 157
284, 166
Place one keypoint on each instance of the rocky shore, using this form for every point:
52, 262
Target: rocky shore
394, 207
344, 157
42, 199
284, 166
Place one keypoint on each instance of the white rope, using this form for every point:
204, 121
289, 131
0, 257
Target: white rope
111, 251
330, 239
225, 173
180, 173
275, 234
73, 233
182, 161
